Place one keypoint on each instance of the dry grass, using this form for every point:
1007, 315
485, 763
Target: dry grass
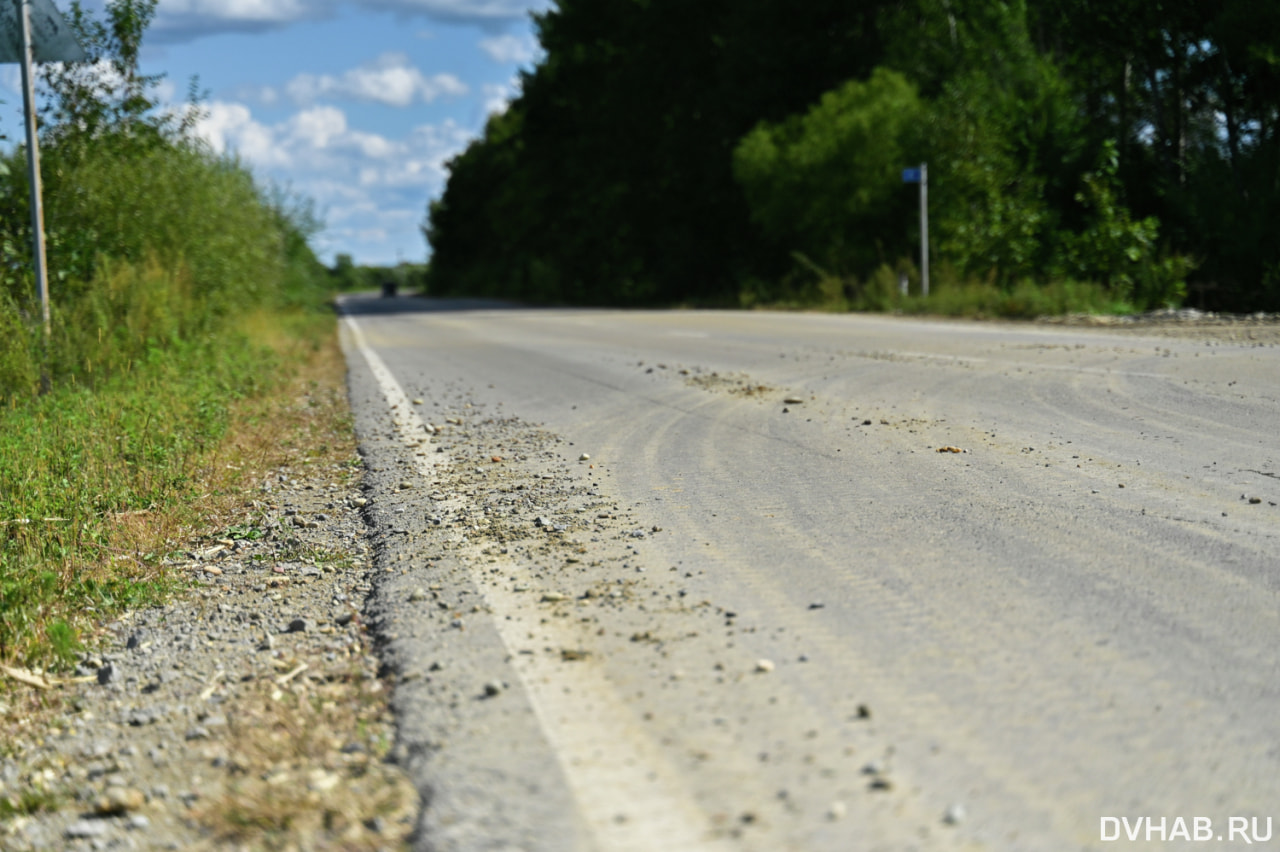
293, 785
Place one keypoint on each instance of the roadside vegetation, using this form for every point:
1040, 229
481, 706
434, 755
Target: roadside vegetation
183, 295
751, 153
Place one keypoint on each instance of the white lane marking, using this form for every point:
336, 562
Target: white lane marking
409, 425
629, 795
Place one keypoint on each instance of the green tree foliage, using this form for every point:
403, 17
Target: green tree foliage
1118, 250
667, 151
986, 200
828, 183
1191, 93
610, 177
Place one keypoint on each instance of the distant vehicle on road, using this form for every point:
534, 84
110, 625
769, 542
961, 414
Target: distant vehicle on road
389, 288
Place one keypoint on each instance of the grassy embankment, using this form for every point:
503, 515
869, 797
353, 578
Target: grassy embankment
98, 485
184, 295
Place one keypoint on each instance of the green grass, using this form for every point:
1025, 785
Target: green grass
93, 482
30, 801
951, 295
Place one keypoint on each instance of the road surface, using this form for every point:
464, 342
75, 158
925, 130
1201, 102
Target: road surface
717, 580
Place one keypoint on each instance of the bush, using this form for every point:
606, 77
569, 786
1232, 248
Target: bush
828, 183
1118, 250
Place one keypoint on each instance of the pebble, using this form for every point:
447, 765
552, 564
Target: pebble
322, 781
955, 814
85, 828
584, 457
492, 688
118, 800
764, 666
140, 718
837, 811
417, 595
298, 625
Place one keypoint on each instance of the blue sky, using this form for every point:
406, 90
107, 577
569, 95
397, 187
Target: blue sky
355, 104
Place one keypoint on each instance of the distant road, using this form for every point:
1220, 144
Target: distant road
890, 584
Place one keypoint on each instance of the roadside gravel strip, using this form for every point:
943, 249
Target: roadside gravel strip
245, 714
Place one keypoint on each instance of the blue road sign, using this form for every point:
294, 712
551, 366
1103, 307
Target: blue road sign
910, 175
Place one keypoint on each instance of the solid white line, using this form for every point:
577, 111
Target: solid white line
629, 795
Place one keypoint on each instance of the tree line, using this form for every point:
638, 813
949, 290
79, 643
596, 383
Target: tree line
728, 151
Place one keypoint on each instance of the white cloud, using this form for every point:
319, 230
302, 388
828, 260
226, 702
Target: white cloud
187, 20
498, 96
390, 79
229, 128
473, 11
508, 49
179, 21
366, 184
274, 11
317, 128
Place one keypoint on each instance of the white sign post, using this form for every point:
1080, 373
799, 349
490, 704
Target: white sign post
921, 176
33, 30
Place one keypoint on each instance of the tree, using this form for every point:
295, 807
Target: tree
828, 183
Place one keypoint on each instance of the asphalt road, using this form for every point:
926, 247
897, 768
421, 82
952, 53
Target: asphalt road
834, 635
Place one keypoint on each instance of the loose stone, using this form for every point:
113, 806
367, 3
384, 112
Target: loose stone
85, 828
118, 800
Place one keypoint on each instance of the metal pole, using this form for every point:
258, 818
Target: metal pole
33, 163
924, 229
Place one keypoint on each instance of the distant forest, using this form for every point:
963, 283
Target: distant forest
740, 151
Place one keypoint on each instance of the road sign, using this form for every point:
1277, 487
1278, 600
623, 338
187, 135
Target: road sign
51, 37
921, 176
